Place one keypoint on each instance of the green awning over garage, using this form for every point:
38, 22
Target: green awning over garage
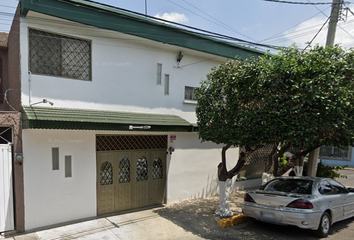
84, 119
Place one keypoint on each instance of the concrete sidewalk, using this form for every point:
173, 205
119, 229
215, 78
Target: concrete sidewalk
143, 224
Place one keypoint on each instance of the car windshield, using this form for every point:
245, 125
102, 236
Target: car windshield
299, 186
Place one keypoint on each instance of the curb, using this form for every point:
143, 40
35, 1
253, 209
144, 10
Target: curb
228, 222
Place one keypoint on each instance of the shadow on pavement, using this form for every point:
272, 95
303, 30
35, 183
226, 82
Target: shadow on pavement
197, 216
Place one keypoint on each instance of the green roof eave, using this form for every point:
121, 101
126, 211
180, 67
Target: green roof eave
96, 15
83, 119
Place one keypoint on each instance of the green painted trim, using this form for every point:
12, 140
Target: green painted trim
112, 19
84, 119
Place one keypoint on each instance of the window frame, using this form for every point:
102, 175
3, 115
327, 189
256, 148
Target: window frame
188, 100
62, 70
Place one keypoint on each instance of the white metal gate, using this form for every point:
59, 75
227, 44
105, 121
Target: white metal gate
6, 189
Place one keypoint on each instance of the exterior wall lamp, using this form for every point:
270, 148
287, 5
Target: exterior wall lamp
179, 59
171, 149
146, 127
43, 101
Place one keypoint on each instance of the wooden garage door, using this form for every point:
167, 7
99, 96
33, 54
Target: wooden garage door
130, 179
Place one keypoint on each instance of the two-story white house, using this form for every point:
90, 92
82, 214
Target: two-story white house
108, 111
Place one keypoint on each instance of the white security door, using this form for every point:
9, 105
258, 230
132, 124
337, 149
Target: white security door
6, 189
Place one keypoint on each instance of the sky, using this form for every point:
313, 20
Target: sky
257, 21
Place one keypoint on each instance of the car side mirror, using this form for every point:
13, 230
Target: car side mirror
350, 189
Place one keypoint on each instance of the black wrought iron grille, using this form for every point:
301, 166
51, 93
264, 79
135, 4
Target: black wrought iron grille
57, 55
142, 169
106, 173
124, 170
157, 169
113, 142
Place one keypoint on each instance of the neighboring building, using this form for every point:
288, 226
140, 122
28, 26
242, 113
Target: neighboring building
330, 155
11, 173
108, 111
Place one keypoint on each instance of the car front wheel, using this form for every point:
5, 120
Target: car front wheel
325, 224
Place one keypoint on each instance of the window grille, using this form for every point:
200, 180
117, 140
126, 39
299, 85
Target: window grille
157, 169
56, 55
189, 93
123, 142
106, 173
6, 135
124, 170
332, 152
142, 169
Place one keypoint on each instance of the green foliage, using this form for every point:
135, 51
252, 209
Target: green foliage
282, 161
329, 171
302, 98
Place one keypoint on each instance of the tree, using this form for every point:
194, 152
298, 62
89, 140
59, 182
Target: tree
295, 100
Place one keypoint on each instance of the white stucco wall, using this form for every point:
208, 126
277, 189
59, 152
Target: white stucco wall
193, 167
124, 70
51, 198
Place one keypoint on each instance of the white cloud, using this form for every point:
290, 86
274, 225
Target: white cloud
173, 17
304, 33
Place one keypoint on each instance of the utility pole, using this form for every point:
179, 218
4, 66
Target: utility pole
332, 26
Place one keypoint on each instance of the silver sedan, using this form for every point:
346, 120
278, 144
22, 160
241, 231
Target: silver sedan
309, 203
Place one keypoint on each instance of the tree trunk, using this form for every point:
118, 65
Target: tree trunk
225, 181
223, 209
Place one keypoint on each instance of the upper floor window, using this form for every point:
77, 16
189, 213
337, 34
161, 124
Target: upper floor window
189, 93
330, 152
57, 55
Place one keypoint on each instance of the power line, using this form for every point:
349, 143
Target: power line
300, 3
222, 24
338, 25
317, 33
200, 31
288, 29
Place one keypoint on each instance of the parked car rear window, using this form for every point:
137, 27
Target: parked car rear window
300, 186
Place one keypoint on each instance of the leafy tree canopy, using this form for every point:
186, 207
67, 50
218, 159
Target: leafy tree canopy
302, 99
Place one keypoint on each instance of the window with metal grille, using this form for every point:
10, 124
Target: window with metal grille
142, 169
330, 152
123, 142
124, 170
157, 168
56, 55
189, 93
106, 173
